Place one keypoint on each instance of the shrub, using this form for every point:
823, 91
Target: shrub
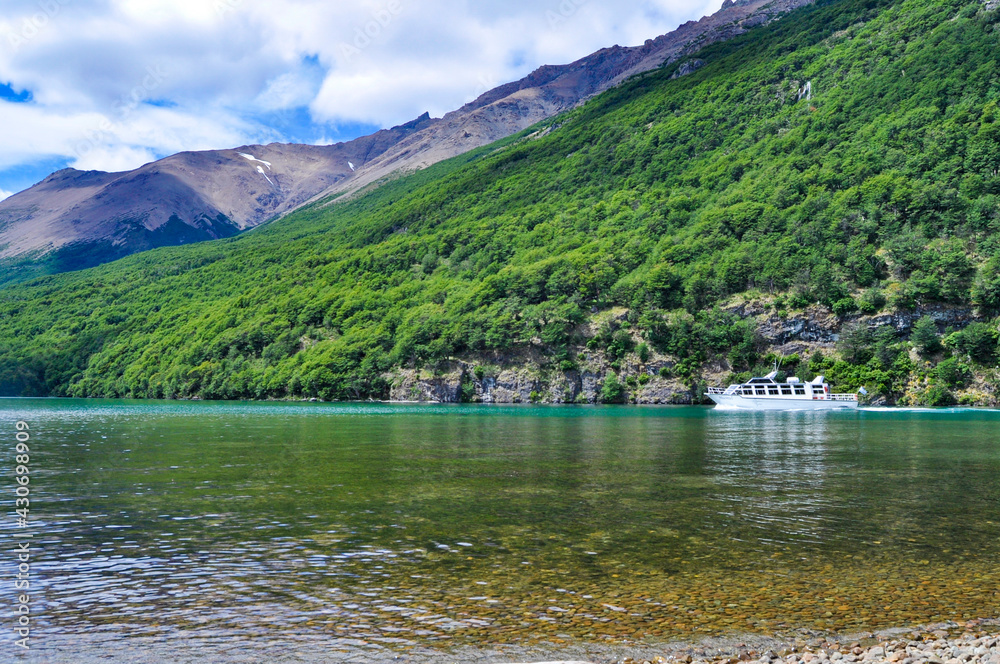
612, 391
798, 300
643, 352
871, 301
790, 361
468, 390
844, 307
901, 297
620, 345
937, 395
953, 373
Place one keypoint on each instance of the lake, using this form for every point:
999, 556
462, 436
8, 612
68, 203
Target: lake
327, 532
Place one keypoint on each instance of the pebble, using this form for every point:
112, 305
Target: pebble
928, 647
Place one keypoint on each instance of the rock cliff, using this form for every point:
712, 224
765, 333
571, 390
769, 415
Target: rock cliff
530, 377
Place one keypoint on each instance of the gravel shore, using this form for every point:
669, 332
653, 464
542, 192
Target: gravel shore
973, 642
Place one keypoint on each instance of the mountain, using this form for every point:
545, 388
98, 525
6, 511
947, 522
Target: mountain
76, 219
824, 188
550, 90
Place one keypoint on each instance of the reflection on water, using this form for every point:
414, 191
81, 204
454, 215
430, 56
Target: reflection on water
377, 526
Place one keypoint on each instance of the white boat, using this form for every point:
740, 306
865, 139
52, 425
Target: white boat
767, 394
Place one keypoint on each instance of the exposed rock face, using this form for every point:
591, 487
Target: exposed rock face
94, 217
821, 326
522, 382
526, 377
689, 67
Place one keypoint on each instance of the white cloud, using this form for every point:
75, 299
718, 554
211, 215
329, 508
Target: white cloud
133, 79
110, 141
113, 158
4, 195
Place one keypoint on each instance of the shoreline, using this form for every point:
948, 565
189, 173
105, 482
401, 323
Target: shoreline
974, 641
965, 642
498, 404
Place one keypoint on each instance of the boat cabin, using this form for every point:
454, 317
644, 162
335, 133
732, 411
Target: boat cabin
767, 387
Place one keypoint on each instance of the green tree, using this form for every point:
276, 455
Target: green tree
952, 373
984, 151
978, 341
986, 288
925, 336
856, 343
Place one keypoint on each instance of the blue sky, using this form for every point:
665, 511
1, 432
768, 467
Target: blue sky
113, 84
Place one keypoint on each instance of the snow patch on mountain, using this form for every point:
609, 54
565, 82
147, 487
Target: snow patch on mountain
260, 169
253, 158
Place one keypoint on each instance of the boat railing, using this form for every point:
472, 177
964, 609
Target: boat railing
735, 389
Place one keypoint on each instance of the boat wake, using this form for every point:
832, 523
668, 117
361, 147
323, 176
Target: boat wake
924, 409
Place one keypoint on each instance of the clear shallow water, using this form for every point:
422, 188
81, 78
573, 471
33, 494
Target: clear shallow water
362, 529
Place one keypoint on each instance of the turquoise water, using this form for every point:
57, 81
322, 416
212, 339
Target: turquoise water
359, 529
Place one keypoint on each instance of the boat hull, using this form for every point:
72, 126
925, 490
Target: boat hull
765, 403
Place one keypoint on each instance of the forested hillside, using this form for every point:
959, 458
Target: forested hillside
844, 159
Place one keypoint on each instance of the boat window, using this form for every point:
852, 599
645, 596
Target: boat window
748, 391
760, 390
800, 390
786, 389
772, 389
